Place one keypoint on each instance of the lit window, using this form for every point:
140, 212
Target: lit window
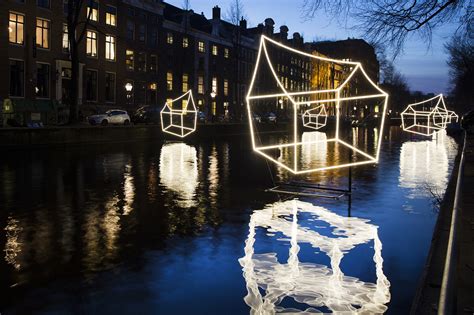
129, 60
201, 84
42, 80
42, 33
92, 12
214, 108
17, 78
226, 87
226, 52
65, 38
110, 87
111, 15
184, 103
91, 44
185, 82
214, 85
15, 28
169, 81
169, 38
214, 50
185, 42
201, 47
110, 47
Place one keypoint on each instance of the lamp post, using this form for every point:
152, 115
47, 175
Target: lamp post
128, 89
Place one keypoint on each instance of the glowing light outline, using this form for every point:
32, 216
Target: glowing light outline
168, 110
321, 112
289, 96
439, 111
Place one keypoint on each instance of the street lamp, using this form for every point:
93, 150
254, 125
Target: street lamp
213, 94
128, 87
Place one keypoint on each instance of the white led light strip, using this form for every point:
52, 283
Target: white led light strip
176, 117
308, 115
427, 122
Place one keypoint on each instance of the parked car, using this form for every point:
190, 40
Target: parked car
257, 118
271, 118
202, 117
467, 121
147, 115
114, 116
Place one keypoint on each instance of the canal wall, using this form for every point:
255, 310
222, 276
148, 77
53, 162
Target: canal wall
85, 134
427, 295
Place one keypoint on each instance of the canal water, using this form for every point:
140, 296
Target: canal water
187, 228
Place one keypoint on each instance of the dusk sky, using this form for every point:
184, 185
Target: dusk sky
424, 67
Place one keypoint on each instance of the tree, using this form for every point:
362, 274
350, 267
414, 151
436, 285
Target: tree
461, 63
235, 12
77, 23
390, 22
186, 5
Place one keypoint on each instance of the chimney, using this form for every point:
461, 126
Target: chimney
216, 13
269, 23
284, 32
243, 24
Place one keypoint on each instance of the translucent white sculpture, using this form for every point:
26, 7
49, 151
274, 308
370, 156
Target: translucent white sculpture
428, 116
269, 89
308, 283
315, 118
179, 119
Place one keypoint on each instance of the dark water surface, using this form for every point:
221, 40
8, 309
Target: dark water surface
186, 228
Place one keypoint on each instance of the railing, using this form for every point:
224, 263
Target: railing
446, 296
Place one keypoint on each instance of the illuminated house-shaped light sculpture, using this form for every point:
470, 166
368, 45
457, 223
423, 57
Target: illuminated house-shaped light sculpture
179, 116
271, 90
270, 279
428, 116
315, 118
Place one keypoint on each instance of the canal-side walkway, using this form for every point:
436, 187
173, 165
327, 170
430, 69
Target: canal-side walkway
465, 266
426, 300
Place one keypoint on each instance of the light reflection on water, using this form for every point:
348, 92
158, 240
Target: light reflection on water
179, 171
100, 211
315, 285
424, 165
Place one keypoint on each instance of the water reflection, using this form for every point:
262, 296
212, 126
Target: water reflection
13, 244
424, 165
317, 286
179, 171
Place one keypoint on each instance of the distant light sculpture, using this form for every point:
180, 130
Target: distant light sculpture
419, 120
335, 97
270, 280
315, 118
179, 122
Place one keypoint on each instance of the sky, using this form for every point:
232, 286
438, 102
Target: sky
424, 67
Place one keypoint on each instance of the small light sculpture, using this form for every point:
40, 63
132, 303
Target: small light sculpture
179, 122
270, 280
419, 120
315, 118
336, 99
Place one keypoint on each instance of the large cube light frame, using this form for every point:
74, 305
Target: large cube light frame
177, 117
338, 97
416, 119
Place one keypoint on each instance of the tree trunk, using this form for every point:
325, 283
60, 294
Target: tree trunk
74, 99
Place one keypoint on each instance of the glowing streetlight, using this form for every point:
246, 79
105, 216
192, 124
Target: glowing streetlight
213, 94
128, 87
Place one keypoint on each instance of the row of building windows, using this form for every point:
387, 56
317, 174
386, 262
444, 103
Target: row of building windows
43, 75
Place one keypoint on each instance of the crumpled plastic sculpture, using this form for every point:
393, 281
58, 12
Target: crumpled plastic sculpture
180, 121
269, 279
